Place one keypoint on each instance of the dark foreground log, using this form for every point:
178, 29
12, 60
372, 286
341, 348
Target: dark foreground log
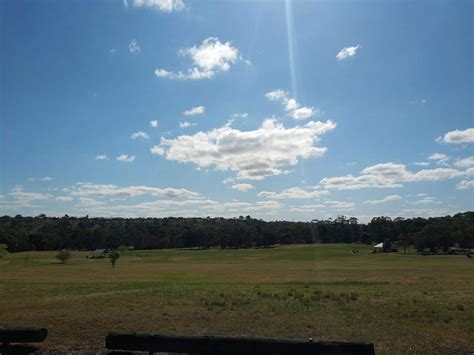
224, 345
22, 335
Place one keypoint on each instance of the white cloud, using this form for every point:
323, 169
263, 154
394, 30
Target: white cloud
133, 46
101, 157
157, 150
64, 198
291, 105
178, 208
437, 156
384, 200
209, 58
126, 158
388, 175
91, 190
457, 137
186, 124
44, 178
347, 52
162, 5
89, 202
307, 208
251, 154
465, 184
296, 193
421, 163
303, 113
465, 163
234, 117
154, 123
440, 158
340, 204
426, 200
277, 95
198, 110
240, 115
24, 198
140, 135
264, 205
243, 187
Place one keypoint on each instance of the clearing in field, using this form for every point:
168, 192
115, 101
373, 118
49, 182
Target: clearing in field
401, 303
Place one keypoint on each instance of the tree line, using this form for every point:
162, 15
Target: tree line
83, 233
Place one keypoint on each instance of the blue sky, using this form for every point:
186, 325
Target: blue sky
277, 109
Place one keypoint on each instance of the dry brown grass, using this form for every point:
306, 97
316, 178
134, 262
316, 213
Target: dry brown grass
401, 303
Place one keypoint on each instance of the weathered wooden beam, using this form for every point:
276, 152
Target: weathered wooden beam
234, 345
22, 335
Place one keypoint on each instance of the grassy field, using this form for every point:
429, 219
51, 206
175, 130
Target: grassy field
401, 303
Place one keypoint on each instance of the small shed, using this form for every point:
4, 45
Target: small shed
378, 248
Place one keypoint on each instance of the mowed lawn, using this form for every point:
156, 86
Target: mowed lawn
401, 303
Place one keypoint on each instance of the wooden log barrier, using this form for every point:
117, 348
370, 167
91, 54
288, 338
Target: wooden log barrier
230, 345
22, 335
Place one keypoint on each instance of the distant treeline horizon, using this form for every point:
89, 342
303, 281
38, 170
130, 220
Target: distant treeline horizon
42, 233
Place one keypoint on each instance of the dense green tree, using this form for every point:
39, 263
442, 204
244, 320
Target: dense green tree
51, 233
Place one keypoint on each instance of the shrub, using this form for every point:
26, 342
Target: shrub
63, 256
114, 255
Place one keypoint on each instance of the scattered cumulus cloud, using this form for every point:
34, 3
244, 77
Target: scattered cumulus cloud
384, 200
440, 158
465, 163
437, 156
110, 191
126, 158
340, 204
243, 187
101, 157
347, 52
465, 184
140, 135
64, 198
240, 115
424, 200
296, 193
290, 105
253, 155
421, 163
388, 175
162, 5
157, 150
24, 198
209, 58
307, 208
44, 178
186, 124
154, 123
133, 46
457, 137
198, 110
